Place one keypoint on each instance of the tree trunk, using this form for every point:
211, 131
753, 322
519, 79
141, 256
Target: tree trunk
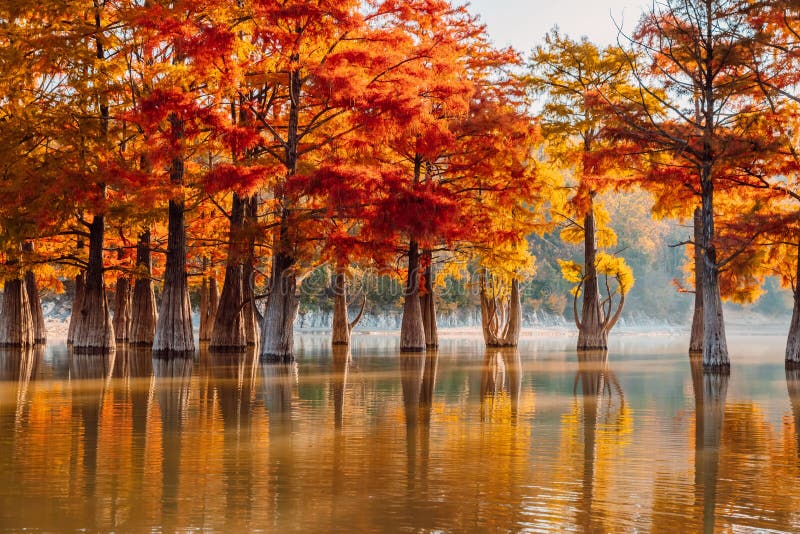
204, 333
342, 326
715, 347
122, 309
229, 332
412, 329
143, 305
696, 340
94, 331
277, 328
16, 323
793, 341
340, 329
209, 302
174, 324
514, 324
77, 305
250, 316
35, 301
592, 334
428, 305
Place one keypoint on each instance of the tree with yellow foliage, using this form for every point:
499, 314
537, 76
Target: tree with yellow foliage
576, 77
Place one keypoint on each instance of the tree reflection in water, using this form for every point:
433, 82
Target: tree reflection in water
173, 382
603, 403
710, 390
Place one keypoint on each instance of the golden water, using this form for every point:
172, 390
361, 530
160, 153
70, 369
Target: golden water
464, 439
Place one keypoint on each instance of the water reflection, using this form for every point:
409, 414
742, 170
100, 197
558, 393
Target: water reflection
501, 381
793, 388
340, 366
459, 439
710, 390
172, 385
602, 404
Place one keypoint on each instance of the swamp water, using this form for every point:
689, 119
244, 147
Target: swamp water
462, 439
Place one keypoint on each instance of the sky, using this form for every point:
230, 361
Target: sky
523, 23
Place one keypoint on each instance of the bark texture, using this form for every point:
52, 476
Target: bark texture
592, 334
250, 313
143, 302
277, 328
174, 324
122, 309
501, 321
16, 323
209, 302
696, 339
427, 302
412, 328
342, 327
793, 341
77, 304
715, 345
228, 332
94, 331
35, 301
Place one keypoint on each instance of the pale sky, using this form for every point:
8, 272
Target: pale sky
523, 23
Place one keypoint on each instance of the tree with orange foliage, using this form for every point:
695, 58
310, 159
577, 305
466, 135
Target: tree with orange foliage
697, 106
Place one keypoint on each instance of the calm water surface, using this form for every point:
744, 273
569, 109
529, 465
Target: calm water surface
536, 439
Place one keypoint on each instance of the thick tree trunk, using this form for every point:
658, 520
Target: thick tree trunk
250, 315
427, 302
94, 331
77, 305
122, 309
35, 301
143, 303
16, 323
228, 332
592, 334
204, 333
793, 341
514, 324
342, 326
696, 340
277, 328
174, 324
412, 329
340, 329
209, 302
715, 346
